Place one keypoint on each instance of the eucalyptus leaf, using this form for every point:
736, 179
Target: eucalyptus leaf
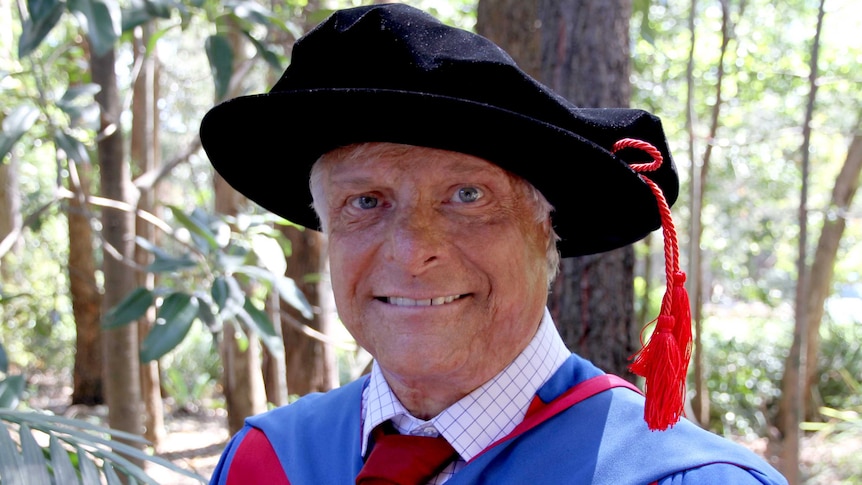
44, 15
101, 20
19, 121
173, 321
220, 57
131, 308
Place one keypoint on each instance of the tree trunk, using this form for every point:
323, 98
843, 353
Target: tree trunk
87, 381
583, 54
143, 154
823, 266
10, 206
585, 57
793, 399
310, 362
122, 369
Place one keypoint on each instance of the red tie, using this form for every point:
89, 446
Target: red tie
399, 459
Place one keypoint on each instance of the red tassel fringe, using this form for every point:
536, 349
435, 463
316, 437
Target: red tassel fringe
663, 360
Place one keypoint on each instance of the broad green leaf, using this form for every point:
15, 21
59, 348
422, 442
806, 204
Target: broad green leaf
260, 322
133, 307
173, 321
220, 58
15, 125
64, 472
11, 389
11, 466
101, 20
33, 458
194, 226
73, 147
44, 15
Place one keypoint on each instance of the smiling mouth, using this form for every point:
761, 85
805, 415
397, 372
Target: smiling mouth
402, 301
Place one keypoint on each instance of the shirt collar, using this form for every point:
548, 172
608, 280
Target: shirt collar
485, 415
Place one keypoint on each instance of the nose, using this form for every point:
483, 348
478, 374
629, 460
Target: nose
416, 239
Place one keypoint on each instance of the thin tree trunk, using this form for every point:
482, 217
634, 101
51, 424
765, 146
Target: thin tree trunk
143, 158
10, 205
792, 404
87, 386
823, 265
698, 195
310, 363
121, 371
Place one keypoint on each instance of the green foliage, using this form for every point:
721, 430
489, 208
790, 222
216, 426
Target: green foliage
15, 125
234, 265
78, 452
101, 20
43, 16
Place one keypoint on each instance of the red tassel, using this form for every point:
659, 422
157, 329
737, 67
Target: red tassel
681, 311
659, 362
663, 360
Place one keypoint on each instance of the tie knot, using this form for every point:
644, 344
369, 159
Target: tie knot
397, 459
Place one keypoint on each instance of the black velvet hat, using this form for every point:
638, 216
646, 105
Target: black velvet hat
392, 73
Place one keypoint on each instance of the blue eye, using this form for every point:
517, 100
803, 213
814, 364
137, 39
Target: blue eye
468, 194
365, 202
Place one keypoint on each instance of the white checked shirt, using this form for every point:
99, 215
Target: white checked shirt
480, 418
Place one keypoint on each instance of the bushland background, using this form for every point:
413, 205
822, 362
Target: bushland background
140, 292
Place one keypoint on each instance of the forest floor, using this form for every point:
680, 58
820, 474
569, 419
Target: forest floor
195, 439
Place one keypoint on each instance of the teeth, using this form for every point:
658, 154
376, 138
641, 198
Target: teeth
401, 301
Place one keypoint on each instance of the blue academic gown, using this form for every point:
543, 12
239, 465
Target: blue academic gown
600, 440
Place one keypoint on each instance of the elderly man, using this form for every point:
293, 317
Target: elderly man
448, 182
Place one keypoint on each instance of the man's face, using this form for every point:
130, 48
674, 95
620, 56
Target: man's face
437, 260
